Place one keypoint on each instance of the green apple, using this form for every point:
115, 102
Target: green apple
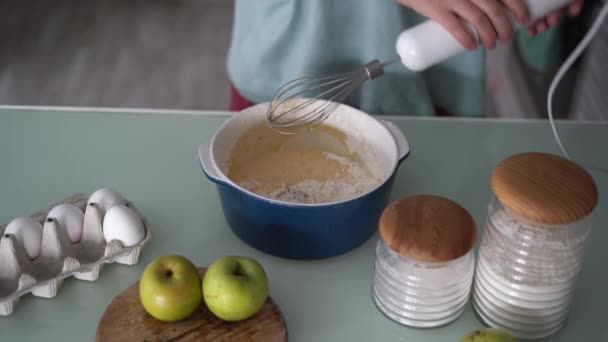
235, 288
488, 335
170, 288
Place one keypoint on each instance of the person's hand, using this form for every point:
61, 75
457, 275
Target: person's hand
554, 17
490, 18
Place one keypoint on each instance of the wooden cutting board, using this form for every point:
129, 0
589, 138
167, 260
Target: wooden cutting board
125, 319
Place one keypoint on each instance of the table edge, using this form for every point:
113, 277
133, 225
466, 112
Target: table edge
227, 113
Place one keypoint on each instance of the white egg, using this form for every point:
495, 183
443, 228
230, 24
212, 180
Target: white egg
106, 198
122, 224
27, 231
70, 217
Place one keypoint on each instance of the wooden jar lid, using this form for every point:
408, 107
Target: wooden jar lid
545, 188
428, 228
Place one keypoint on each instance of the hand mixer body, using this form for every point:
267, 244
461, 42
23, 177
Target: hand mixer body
428, 43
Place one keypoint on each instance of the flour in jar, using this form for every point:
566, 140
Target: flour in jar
311, 167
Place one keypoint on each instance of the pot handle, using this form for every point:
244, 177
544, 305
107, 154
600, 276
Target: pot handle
209, 168
403, 146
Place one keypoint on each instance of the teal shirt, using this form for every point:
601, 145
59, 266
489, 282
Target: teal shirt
275, 41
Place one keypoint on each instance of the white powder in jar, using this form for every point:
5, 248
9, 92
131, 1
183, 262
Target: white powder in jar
533, 254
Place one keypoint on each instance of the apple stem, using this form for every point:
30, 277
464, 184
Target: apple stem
169, 273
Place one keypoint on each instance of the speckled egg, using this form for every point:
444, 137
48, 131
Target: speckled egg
70, 218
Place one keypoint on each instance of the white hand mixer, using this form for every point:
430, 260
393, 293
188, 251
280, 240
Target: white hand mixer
418, 48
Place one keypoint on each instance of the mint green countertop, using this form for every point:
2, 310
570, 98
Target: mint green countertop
151, 158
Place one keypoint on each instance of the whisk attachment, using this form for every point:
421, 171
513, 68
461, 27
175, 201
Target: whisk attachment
374, 69
308, 101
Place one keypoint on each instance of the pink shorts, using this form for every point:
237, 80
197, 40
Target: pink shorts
237, 101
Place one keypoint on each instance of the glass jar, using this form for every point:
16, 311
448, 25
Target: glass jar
533, 244
424, 261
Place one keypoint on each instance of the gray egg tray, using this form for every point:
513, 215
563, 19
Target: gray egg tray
60, 258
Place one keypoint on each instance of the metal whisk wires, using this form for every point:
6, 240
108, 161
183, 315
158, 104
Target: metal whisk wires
320, 96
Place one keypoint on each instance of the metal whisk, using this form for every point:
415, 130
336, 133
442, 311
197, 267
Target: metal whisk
321, 94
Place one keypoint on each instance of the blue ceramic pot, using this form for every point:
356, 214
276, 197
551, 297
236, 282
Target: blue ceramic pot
305, 231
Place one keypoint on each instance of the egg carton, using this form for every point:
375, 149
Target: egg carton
60, 258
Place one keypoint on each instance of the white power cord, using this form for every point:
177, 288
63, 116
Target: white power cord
566, 66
